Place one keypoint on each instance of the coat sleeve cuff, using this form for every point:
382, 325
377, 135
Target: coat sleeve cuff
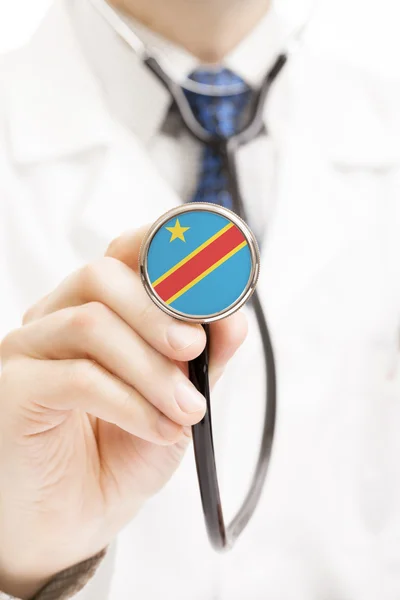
69, 582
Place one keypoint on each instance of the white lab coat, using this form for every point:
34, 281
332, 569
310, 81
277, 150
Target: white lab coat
328, 526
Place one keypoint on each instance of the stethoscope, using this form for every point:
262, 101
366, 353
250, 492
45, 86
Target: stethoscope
221, 535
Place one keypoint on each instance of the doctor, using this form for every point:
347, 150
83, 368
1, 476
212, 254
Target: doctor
95, 412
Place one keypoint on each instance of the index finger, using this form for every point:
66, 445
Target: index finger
113, 283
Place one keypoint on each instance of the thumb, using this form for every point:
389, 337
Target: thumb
126, 247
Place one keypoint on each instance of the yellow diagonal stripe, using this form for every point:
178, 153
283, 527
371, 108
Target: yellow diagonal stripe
207, 272
192, 254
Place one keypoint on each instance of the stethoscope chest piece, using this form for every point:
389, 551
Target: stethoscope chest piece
199, 262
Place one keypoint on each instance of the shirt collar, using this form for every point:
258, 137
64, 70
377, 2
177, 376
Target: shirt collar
65, 91
135, 96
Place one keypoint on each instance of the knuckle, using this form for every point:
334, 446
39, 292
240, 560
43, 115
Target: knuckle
94, 276
86, 319
95, 312
89, 276
82, 376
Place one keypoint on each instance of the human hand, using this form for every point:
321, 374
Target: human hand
95, 414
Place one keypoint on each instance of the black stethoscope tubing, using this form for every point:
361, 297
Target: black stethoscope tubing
223, 537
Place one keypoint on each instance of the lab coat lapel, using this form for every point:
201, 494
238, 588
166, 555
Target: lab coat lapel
307, 229
124, 191
54, 105
320, 148
56, 112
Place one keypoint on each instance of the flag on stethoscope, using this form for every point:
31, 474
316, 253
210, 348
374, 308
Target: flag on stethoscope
199, 263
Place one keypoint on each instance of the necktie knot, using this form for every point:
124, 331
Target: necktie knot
222, 113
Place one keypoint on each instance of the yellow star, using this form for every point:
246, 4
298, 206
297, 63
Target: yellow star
177, 232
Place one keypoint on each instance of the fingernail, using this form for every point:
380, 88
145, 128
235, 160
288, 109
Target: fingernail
180, 335
188, 398
168, 429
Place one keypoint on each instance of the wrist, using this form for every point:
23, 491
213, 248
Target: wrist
23, 571
21, 585
25, 582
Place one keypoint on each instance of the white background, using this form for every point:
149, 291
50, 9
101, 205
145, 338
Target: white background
364, 31
18, 18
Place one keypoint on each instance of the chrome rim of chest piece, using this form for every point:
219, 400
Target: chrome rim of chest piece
199, 262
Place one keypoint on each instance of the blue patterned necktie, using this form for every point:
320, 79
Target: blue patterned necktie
222, 116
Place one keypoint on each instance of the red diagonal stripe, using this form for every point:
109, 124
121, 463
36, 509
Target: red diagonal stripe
200, 263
